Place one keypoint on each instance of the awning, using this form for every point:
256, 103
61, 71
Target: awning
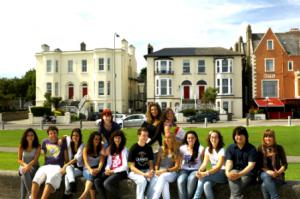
270, 102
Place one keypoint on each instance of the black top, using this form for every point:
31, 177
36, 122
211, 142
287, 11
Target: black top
154, 132
140, 156
103, 131
241, 157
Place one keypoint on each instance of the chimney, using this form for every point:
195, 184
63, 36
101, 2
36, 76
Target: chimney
132, 50
82, 46
124, 44
45, 48
236, 47
150, 49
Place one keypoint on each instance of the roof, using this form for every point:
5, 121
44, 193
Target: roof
289, 40
271, 102
179, 52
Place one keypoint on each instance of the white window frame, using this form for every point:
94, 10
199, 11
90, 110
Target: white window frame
108, 88
56, 87
101, 89
100, 64
273, 60
167, 68
56, 66
272, 44
49, 89
168, 86
186, 64
219, 65
262, 87
108, 64
84, 66
219, 86
49, 66
290, 65
70, 66
201, 66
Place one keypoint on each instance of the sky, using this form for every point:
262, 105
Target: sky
64, 24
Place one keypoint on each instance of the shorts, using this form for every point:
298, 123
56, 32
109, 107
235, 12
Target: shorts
50, 174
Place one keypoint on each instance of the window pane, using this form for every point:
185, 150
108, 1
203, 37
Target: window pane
163, 87
224, 65
108, 63
269, 65
201, 66
269, 88
101, 63
49, 63
84, 65
70, 66
101, 88
49, 87
225, 86
186, 66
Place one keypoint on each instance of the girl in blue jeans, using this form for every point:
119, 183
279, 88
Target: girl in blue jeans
191, 153
273, 164
215, 154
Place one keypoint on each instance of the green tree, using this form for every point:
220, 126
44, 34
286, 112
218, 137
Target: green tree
209, 97
143, 75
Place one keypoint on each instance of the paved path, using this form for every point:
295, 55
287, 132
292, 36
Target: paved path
291, 159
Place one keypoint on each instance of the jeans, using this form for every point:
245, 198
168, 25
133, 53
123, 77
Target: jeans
268, 187
186, 183
110, 184
206, 184
26, 181
71, 173
237, 186
160, 185
141, 183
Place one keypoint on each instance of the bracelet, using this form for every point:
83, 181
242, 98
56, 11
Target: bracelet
207, 173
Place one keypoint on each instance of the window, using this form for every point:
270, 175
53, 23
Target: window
270, 45
84, 65
49, 87
108, 87
186, 66
226, 106
56, 89
269, 65
101, 63
225, 66
164, 86
163, 67
290, 65
108, 105
70, 91
101, 88
270, 88
218, 85
56, 66
108, 64
218, 66
49, 65
163, 105
70, 66
100, 107
224, 86
201, 66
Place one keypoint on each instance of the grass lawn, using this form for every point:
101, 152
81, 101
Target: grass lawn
286, 136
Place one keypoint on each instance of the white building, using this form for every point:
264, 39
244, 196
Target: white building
178, 77
87, 76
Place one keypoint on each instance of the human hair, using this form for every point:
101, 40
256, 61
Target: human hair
113, 147
24, 142
165, 114
196, 145
139, 131
149, 116
106, 112
240, 130
52, 128
90, 143
77, 130
269, 133
166, 148
220, 143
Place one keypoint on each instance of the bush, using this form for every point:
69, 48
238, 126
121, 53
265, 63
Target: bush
188, 112
74, 117
58, 112
40, 111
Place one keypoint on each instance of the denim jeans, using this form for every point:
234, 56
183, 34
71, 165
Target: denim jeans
186, 183
237, 186
206, 184
141, 184
268, 187
71, 173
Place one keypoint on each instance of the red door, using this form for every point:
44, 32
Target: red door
71, 92
186, 92
201, 91
84, 91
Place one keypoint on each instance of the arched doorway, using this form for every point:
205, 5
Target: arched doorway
186, 89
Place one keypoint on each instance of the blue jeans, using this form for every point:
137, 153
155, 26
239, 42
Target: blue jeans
206, 184
186, 183
268, 187
238, 186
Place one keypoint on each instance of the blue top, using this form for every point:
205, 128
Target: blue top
241, 157
54, 153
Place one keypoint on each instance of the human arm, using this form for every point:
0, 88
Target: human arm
201, 171
124, 165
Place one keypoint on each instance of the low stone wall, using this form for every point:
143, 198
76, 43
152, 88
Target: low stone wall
10, 189
11, 116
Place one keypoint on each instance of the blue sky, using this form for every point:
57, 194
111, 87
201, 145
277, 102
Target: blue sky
64, 24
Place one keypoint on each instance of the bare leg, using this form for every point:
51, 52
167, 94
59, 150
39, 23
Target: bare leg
88, 186
92, 194
47, 191
35, 190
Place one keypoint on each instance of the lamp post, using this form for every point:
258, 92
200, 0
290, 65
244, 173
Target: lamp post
114, 75
267, 99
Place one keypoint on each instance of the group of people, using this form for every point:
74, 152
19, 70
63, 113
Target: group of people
160, 156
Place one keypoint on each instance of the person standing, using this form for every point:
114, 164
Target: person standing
241, 158
28, 155
272, 163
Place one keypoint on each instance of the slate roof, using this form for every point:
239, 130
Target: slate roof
289, 40
180, 52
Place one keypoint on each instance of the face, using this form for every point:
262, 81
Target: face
168, 140
96, 140
107, 118
240, 139
53, 135
214, 139
269, 140
191, 139
143, 137
154, 111
117, 140
170, 115
30, 136
75, 137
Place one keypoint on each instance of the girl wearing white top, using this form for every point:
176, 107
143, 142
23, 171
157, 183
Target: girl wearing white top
191, 153
215, 154
116, 166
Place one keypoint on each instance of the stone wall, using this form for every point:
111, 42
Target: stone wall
18, 115
10, 189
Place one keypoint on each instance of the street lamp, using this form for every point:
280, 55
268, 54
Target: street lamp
114, 75
267, 99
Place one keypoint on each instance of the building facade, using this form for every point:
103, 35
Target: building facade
87, 76
178, 78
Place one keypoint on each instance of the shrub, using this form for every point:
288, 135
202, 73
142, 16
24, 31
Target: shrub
188, 112
40, 111
58, 112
